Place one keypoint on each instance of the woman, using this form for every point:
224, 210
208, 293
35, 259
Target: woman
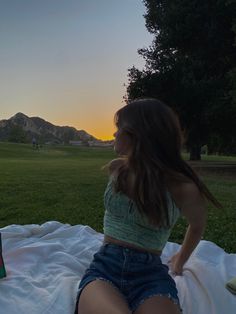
150, 186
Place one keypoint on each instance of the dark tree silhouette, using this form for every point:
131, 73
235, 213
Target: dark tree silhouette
189, 66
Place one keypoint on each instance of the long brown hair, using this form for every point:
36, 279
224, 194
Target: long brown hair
154, 157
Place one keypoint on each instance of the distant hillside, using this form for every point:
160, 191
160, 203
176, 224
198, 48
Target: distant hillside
23, 129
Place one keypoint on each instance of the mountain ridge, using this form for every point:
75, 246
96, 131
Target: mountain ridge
22, 128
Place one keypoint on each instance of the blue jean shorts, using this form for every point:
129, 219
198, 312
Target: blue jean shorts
137, 275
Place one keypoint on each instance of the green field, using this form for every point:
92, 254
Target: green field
66, 184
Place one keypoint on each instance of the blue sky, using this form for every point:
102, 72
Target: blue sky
66, 60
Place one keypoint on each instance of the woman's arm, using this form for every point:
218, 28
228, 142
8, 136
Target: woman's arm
193, 207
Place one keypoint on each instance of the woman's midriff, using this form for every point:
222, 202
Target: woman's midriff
108, 239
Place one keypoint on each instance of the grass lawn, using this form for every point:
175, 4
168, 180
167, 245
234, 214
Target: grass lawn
66, 184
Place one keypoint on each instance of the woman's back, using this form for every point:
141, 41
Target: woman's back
123, 221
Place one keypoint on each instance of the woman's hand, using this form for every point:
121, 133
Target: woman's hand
175, 264
193, 208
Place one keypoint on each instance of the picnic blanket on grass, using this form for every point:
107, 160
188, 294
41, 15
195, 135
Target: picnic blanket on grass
44, 264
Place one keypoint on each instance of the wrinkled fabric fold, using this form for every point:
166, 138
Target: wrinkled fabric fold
45, 264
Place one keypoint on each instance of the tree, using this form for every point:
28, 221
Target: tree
188, 64
68, 134
233, 71
17, 135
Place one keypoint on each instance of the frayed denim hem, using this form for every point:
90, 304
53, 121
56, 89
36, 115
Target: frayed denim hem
168, 295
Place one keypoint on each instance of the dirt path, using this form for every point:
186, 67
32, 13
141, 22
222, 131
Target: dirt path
224, 169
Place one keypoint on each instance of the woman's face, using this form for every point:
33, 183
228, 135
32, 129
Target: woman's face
122, 143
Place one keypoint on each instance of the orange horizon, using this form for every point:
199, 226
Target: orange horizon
100, 135
100, 131
100, 127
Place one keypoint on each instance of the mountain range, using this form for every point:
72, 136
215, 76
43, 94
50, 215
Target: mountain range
23, 129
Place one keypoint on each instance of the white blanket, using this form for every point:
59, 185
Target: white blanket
44, 265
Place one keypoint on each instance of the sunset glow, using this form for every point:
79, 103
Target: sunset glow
66, 61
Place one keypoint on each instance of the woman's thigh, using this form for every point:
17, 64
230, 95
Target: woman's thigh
100, 297
158, 305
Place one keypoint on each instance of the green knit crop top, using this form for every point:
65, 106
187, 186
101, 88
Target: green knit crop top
123, 221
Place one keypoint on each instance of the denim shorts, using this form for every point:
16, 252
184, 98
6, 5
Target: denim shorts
137, 275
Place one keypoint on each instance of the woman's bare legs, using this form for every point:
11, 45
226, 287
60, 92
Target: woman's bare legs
158, 305
100, 297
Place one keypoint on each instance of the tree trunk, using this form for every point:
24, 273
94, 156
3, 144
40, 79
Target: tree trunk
195, 152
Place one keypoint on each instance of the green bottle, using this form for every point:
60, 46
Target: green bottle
2, 266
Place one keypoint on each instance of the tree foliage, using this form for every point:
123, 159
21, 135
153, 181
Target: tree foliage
189, 66
17, 135
233, 72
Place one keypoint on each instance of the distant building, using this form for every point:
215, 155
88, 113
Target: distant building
76, 143
100, 143
92, 143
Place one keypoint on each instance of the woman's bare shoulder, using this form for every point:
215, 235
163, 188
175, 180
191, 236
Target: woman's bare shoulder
185, 193
115, 164
191, 203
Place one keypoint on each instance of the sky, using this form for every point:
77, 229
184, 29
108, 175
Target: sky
67, 61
